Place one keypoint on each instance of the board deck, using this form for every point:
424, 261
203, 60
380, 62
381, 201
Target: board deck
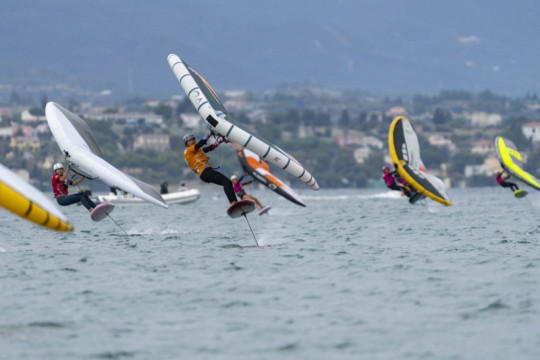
240, 208
520, 193
101, 211
265, 209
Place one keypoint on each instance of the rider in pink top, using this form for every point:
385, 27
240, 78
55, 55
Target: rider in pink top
394, 182
238, 187
501, 180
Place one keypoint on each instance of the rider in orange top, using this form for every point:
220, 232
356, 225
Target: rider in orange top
195, 155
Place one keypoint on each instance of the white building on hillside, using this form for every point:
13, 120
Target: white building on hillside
158, 142
483, 147
192, 120
531, 131
442, 142
26, 116
483, 119
488, 168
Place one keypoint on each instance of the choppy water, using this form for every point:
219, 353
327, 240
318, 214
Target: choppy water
355, 275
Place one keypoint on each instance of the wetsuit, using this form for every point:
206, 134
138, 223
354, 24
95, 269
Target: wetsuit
197, 160
390, 182
60, 190
501, 181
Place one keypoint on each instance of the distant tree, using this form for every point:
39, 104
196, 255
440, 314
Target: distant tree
268, 130
164, 110
36, 111
126, 143
533, 162
419, 105
249, 96
293, 116
280, 96
372, 122
177, 144
14, 98
44, 102
374, 162
384, 126
185, 106
480, 180
488, 95
331, 165
104, 134
432, 156
442, 116
292, 121
243, 118
344, 120
455, 95
111, 110
360, 122
275, 117
308, 117
513, 132
322, 119
459, 123
73, 104
423, 100
464, 157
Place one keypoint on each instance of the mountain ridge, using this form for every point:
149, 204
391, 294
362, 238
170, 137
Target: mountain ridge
387, 47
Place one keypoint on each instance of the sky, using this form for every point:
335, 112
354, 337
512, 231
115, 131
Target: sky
387, 47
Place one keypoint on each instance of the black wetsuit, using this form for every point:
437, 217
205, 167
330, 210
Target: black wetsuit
395, 186
75, 198
511, 185
506, 184
210, 175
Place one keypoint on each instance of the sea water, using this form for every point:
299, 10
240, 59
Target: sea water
356, 274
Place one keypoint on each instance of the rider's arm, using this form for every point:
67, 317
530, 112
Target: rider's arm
201, 142
65, 174
75, 182
213, 146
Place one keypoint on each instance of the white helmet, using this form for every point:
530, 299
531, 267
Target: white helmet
234, 177
58, 166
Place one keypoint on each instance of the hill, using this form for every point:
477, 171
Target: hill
384, 47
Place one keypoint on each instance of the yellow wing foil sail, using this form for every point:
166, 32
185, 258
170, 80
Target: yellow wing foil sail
512, 161
405, 153
29, 203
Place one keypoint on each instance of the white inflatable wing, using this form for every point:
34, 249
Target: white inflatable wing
21, 198
79, 146
207, 103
